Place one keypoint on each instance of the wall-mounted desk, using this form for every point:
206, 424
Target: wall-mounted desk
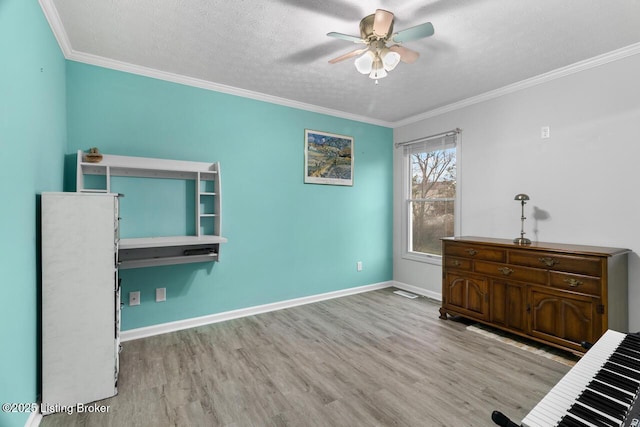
204, 246
150, 251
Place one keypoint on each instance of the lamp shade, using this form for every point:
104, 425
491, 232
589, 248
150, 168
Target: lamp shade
389, 59
364, 64
521, 197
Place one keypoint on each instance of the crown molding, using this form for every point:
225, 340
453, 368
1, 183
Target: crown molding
217, 87
53, 17
51, 13
596, 61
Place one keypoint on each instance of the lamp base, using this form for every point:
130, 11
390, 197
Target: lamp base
521, 241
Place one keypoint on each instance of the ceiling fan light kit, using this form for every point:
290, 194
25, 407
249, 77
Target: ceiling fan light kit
378, 71
375, 31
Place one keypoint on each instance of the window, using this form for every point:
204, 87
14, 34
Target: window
430, 191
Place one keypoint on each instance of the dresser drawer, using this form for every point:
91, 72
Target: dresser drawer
457, 263
475, 252
513, 272
576, 283
590, 266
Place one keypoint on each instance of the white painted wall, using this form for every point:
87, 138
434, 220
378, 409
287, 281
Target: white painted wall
583, 180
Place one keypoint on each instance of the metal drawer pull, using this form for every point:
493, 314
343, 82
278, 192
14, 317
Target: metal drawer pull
455, 263
505, 270
471, 252
550, 262
573, 282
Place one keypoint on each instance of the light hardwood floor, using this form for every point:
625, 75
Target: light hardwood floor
372, 359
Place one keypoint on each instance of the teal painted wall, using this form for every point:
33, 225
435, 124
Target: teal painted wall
287, 239
33, 145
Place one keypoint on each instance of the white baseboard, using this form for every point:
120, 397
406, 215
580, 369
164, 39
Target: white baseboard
417, 290
34, 419
163, 328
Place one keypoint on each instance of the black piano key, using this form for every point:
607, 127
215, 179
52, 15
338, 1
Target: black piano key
605, 404
633, 351
592, 416
628, 346
632, 343
622, 370
629, 352
631, 337
602, 404
569, 421
611, 391
629, 342
618, 381
624, 354
626, 361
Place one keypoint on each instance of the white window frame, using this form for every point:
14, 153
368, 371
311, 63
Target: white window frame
406, 195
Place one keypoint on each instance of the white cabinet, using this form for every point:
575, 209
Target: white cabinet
151, 251
80, 298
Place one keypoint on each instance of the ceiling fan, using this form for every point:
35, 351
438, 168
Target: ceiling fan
376, 30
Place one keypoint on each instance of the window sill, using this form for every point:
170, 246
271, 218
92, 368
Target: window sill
421, 257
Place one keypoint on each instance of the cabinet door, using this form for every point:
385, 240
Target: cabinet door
563, 318
78, 315
467, 295
507, 302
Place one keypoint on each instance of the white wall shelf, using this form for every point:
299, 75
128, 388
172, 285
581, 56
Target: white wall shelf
204, 246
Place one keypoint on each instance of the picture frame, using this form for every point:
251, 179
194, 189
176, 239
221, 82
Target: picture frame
328, 158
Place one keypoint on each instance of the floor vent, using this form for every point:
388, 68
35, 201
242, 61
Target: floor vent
406, 294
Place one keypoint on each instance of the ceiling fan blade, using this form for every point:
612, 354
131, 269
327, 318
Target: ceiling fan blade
382, 22
414, 33
347, 37
348, 55
407, 56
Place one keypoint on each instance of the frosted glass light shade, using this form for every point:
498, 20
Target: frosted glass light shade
364, 64
390, 59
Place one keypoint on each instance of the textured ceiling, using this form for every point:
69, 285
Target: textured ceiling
279, 48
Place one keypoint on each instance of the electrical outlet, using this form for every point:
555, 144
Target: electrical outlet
359, 266
545, 132
134, 298
161, 294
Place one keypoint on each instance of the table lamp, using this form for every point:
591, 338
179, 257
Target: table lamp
522, 240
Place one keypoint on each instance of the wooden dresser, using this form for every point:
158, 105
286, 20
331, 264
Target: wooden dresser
557, 294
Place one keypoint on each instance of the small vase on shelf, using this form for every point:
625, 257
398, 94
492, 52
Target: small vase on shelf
93, 156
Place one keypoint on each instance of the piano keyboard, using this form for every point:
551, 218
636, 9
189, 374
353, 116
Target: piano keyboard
599, 391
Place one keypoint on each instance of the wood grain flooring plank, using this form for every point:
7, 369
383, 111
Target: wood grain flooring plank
371, 359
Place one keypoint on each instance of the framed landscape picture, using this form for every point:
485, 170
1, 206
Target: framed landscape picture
328, 158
